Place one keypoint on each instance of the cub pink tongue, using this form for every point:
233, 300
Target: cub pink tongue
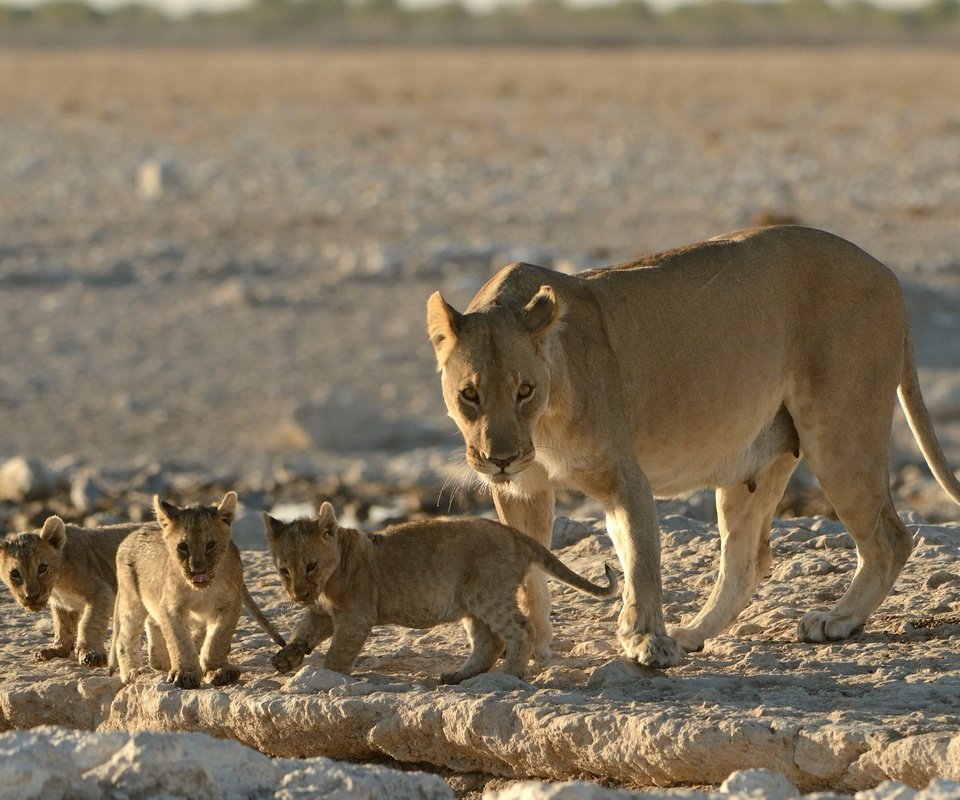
201, 578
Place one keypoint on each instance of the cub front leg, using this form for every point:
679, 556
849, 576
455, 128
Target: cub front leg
633, 526
216, 645
314, 626
92, 629
185, 672
350, 632
64, 634
533, 515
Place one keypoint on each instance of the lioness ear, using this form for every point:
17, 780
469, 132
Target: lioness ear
542, 313
443, 325
166, 512
54, 532
327, 518
228, 507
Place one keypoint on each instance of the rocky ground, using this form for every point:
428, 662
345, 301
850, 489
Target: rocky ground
213, 270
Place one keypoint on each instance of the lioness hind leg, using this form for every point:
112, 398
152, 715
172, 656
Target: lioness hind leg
744, 520
847, 444
485, 650
883, 546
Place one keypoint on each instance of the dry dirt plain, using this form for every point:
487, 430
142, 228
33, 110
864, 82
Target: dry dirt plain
258, 314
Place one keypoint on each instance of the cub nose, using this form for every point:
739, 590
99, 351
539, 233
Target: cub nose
503, 463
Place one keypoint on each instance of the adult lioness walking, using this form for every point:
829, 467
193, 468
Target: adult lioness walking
713, 365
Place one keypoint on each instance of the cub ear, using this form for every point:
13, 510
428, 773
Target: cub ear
443, 326
167, 513
273, 527
228, 507
542, 314
54, 532
327, 519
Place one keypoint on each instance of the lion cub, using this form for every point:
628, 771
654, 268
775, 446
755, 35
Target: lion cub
74, 570
182, 578
418, 574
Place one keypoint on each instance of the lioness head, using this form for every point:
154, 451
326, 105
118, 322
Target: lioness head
305, 552
30, 563
196, 536
495, 377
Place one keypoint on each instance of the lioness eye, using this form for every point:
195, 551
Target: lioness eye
524, 391
210, 546
15, 576
469, 394
182, 548
285, 572
41, 568
311, 566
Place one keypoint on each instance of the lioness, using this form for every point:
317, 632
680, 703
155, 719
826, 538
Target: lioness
713, 365
74, 570
182, 578
418, 574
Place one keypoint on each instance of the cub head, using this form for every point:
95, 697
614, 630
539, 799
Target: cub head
30, 563
495, 377
196, 536
305, 551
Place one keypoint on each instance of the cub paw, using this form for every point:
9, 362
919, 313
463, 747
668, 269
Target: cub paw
689, 639
91, 658
825, 626
130, 675
451, 678
184, 679
224, 676
652, 650
288, 658
48, 653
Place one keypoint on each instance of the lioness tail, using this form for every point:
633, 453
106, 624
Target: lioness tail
920, 423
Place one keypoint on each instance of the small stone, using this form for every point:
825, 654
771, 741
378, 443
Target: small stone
765, 783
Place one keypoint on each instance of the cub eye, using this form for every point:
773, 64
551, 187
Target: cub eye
285, 572
183, 549
524, 391
312, 566
41, 568
470, 394
210, 546
15, 576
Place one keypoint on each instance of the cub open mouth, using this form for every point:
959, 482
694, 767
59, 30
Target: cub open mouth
200, 579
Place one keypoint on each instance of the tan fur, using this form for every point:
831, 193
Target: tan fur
73, 570
708, 366
418, 574
181, 577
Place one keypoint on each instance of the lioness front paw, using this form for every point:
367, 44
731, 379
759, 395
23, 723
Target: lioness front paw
825, 626
652, 650
689, 639
288, 658
91, 658
185, 679
47, 653
224, 676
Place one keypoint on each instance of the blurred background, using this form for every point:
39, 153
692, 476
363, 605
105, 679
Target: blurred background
219, 223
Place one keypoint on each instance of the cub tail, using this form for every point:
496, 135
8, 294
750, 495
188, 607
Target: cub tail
553, 565
258, 615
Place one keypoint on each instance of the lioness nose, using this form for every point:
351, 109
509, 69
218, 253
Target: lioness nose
503, 463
